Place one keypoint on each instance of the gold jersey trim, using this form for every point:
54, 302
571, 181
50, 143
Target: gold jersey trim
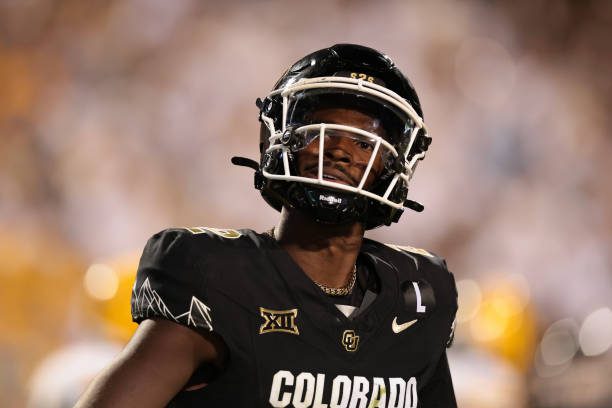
222, 232
413, 250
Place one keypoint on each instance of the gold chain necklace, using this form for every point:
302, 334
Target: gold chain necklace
342, 291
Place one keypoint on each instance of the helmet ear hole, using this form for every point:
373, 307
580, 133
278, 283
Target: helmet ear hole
421, 143
264, 138
425, 141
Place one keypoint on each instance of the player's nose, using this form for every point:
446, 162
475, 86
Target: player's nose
338, 149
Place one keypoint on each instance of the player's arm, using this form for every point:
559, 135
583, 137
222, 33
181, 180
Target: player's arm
153, 367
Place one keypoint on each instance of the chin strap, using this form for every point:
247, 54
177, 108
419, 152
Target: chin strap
413, 205
245, 162
258, 178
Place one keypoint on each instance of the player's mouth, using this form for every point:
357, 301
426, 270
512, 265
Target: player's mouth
332, 174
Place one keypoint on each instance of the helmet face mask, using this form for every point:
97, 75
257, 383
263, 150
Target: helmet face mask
296, 129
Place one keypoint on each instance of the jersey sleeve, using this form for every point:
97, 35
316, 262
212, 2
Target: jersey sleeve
439, 392
454, 307
435, 271
170, 281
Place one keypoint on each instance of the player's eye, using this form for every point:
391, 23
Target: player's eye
364, 145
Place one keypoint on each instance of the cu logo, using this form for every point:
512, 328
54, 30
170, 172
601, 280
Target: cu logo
350, 340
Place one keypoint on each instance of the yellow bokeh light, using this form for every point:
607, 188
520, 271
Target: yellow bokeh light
504, 322
101, 282
470, 297
489, 324
115, 312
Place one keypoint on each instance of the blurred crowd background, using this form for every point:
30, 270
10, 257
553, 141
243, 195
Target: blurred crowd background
118, 119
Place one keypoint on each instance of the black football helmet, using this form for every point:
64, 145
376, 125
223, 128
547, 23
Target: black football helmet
344, 76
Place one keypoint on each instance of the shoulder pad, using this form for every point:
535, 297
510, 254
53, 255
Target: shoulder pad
172, 248
186, 250
419, 253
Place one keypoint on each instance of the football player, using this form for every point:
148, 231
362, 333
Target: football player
309, 313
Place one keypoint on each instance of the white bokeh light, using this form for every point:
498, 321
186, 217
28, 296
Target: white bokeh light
596, 332
558, 345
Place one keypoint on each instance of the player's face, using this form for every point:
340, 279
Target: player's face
346, 155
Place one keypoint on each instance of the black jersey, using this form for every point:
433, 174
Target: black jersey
289, 345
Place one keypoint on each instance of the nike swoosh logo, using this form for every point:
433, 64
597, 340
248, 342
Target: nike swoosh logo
398, 328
